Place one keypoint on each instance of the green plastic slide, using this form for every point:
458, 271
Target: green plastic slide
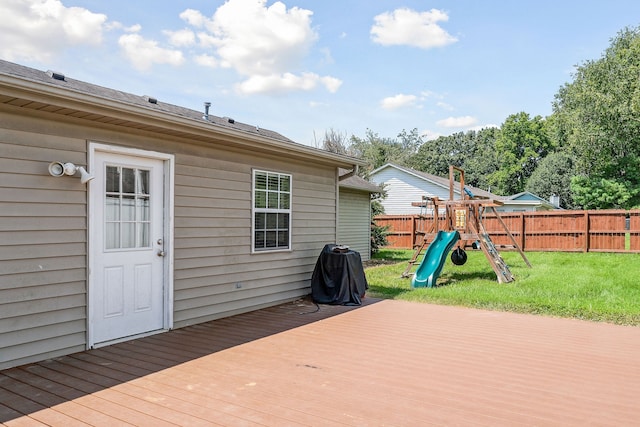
433, 261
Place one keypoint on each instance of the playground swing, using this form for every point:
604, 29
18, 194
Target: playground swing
462, 226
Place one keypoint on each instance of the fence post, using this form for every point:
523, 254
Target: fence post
522, 231
413, 232
586, 231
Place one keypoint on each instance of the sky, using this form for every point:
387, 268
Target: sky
304, 67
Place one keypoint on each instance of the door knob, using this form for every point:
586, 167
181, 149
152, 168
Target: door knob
161, 253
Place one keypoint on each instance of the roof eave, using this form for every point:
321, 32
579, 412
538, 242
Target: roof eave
89, 103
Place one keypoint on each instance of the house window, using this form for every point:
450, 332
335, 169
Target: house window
271, 211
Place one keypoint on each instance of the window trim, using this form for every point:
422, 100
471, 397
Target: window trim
255, 210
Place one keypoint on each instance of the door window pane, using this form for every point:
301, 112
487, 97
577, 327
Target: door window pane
142, 182
127, 209
113, 179
112, 208
112, 235
128, 235
143, 209
128, 181
143, 235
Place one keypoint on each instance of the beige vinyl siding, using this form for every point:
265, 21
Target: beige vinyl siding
216, 274
42, 249
43, 232
355, 221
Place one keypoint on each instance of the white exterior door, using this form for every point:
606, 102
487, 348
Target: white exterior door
127, 294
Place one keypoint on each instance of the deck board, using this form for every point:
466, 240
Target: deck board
384, 363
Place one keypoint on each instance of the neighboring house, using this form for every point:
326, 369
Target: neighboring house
354, 213
405, 185
525, 202
174, 217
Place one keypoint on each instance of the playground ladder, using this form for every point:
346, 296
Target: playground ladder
416, 255
421, 246
495, 259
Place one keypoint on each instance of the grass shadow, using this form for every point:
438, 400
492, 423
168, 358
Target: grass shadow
471, 275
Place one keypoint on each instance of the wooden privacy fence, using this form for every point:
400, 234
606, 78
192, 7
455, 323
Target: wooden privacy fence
563, 231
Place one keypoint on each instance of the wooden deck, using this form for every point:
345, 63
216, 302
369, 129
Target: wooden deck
388, 363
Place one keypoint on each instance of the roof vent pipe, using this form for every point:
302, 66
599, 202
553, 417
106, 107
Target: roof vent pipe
206, 110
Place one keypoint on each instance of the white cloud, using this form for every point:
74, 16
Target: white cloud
327, 58
457, 122
207, 61
445, 106
193, 18
264, 44
40, 29
133, 29
255, 39
144, 53
332, 84
206, 40
287, 82
183, 37
398, 101
408, 27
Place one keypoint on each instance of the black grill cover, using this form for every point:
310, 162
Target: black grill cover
338, 278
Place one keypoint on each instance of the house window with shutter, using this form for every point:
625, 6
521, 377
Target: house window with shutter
271, 211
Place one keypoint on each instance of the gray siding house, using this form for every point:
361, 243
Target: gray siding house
354, 219
156, 216
405, 185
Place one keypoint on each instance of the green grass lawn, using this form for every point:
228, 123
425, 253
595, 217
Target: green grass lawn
591, 286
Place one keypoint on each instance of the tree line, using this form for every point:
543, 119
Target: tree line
587, 151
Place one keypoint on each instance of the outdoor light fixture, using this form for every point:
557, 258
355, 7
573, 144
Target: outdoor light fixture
59, 169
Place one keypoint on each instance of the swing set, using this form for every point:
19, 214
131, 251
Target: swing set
463, 227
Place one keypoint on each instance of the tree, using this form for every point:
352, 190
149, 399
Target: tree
335, 142
378, 151
552, 177
522, 143
379, 233
600, 193
483, 159
410, 142
435, 156
598, 118
472, 151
